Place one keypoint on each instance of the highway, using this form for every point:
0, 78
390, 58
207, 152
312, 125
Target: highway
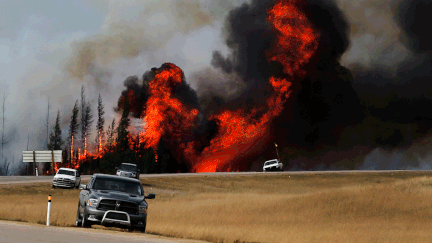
23, 232
34, 179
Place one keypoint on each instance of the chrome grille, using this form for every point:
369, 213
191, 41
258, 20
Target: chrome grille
109, 204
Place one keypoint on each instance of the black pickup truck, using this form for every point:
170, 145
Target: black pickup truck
111, 200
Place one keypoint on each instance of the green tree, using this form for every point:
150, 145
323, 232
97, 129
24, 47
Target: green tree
55, 139
122, 129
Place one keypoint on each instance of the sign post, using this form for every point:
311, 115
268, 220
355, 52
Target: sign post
52, 159
34, 163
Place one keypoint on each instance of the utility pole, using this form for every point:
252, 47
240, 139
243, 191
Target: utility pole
28, 141
277, 152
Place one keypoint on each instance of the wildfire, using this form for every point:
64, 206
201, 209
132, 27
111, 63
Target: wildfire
239, 131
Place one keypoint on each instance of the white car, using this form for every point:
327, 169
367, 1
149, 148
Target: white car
66, 177
272, 165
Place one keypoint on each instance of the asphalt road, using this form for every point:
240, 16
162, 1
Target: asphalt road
30, 179
23, 232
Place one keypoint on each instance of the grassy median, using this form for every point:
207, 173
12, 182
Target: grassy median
319, 207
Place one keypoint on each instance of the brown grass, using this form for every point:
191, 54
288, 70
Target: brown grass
339, 207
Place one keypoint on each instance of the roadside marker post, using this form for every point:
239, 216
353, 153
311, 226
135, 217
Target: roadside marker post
49, 210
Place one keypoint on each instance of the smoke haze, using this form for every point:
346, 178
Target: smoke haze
367, 86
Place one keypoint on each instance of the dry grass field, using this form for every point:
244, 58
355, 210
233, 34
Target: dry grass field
318, 207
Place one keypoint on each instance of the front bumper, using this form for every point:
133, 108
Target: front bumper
128, 174
96, 216
272, 168
63, 184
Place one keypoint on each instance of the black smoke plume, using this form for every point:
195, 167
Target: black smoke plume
321, 102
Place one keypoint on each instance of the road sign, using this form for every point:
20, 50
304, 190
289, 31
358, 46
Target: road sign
42, 156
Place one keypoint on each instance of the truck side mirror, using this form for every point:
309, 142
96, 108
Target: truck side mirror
150, 196
83, 186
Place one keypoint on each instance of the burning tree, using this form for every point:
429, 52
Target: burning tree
100, 125
55, 139
73, 129
122, 129
111, 132
86, 120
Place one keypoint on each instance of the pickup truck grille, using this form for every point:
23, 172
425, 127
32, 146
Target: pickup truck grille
63, 180
109, 204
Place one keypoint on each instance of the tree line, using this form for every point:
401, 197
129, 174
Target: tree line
116, 145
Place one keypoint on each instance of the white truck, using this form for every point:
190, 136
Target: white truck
272, 165
66, 177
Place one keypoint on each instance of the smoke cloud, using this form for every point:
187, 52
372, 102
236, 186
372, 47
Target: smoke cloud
133, 28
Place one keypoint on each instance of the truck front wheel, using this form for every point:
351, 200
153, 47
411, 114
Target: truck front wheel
84, 222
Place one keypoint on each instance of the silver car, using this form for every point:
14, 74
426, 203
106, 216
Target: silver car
66, 177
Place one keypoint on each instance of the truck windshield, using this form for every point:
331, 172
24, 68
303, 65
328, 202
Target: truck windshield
128, 167
66, 172
118, 185
270, 162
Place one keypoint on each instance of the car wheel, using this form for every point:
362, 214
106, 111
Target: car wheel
84, 222
78, 218
54, 186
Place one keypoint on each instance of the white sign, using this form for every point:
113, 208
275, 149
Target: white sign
42, 156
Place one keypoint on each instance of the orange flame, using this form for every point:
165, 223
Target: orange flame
166, 114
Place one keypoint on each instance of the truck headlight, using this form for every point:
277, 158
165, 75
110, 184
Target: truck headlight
143, 208
92, 202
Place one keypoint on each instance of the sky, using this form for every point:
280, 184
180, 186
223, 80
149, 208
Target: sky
49, 49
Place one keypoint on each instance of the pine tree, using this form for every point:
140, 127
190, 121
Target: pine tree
55, 139
73, 127
86, 119
122, 129
111, 132
100, 124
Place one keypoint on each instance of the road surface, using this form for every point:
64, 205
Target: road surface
23, 232
29, 179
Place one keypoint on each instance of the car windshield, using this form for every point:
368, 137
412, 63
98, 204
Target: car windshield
270, 162
66, 172
118, 185
128, 167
